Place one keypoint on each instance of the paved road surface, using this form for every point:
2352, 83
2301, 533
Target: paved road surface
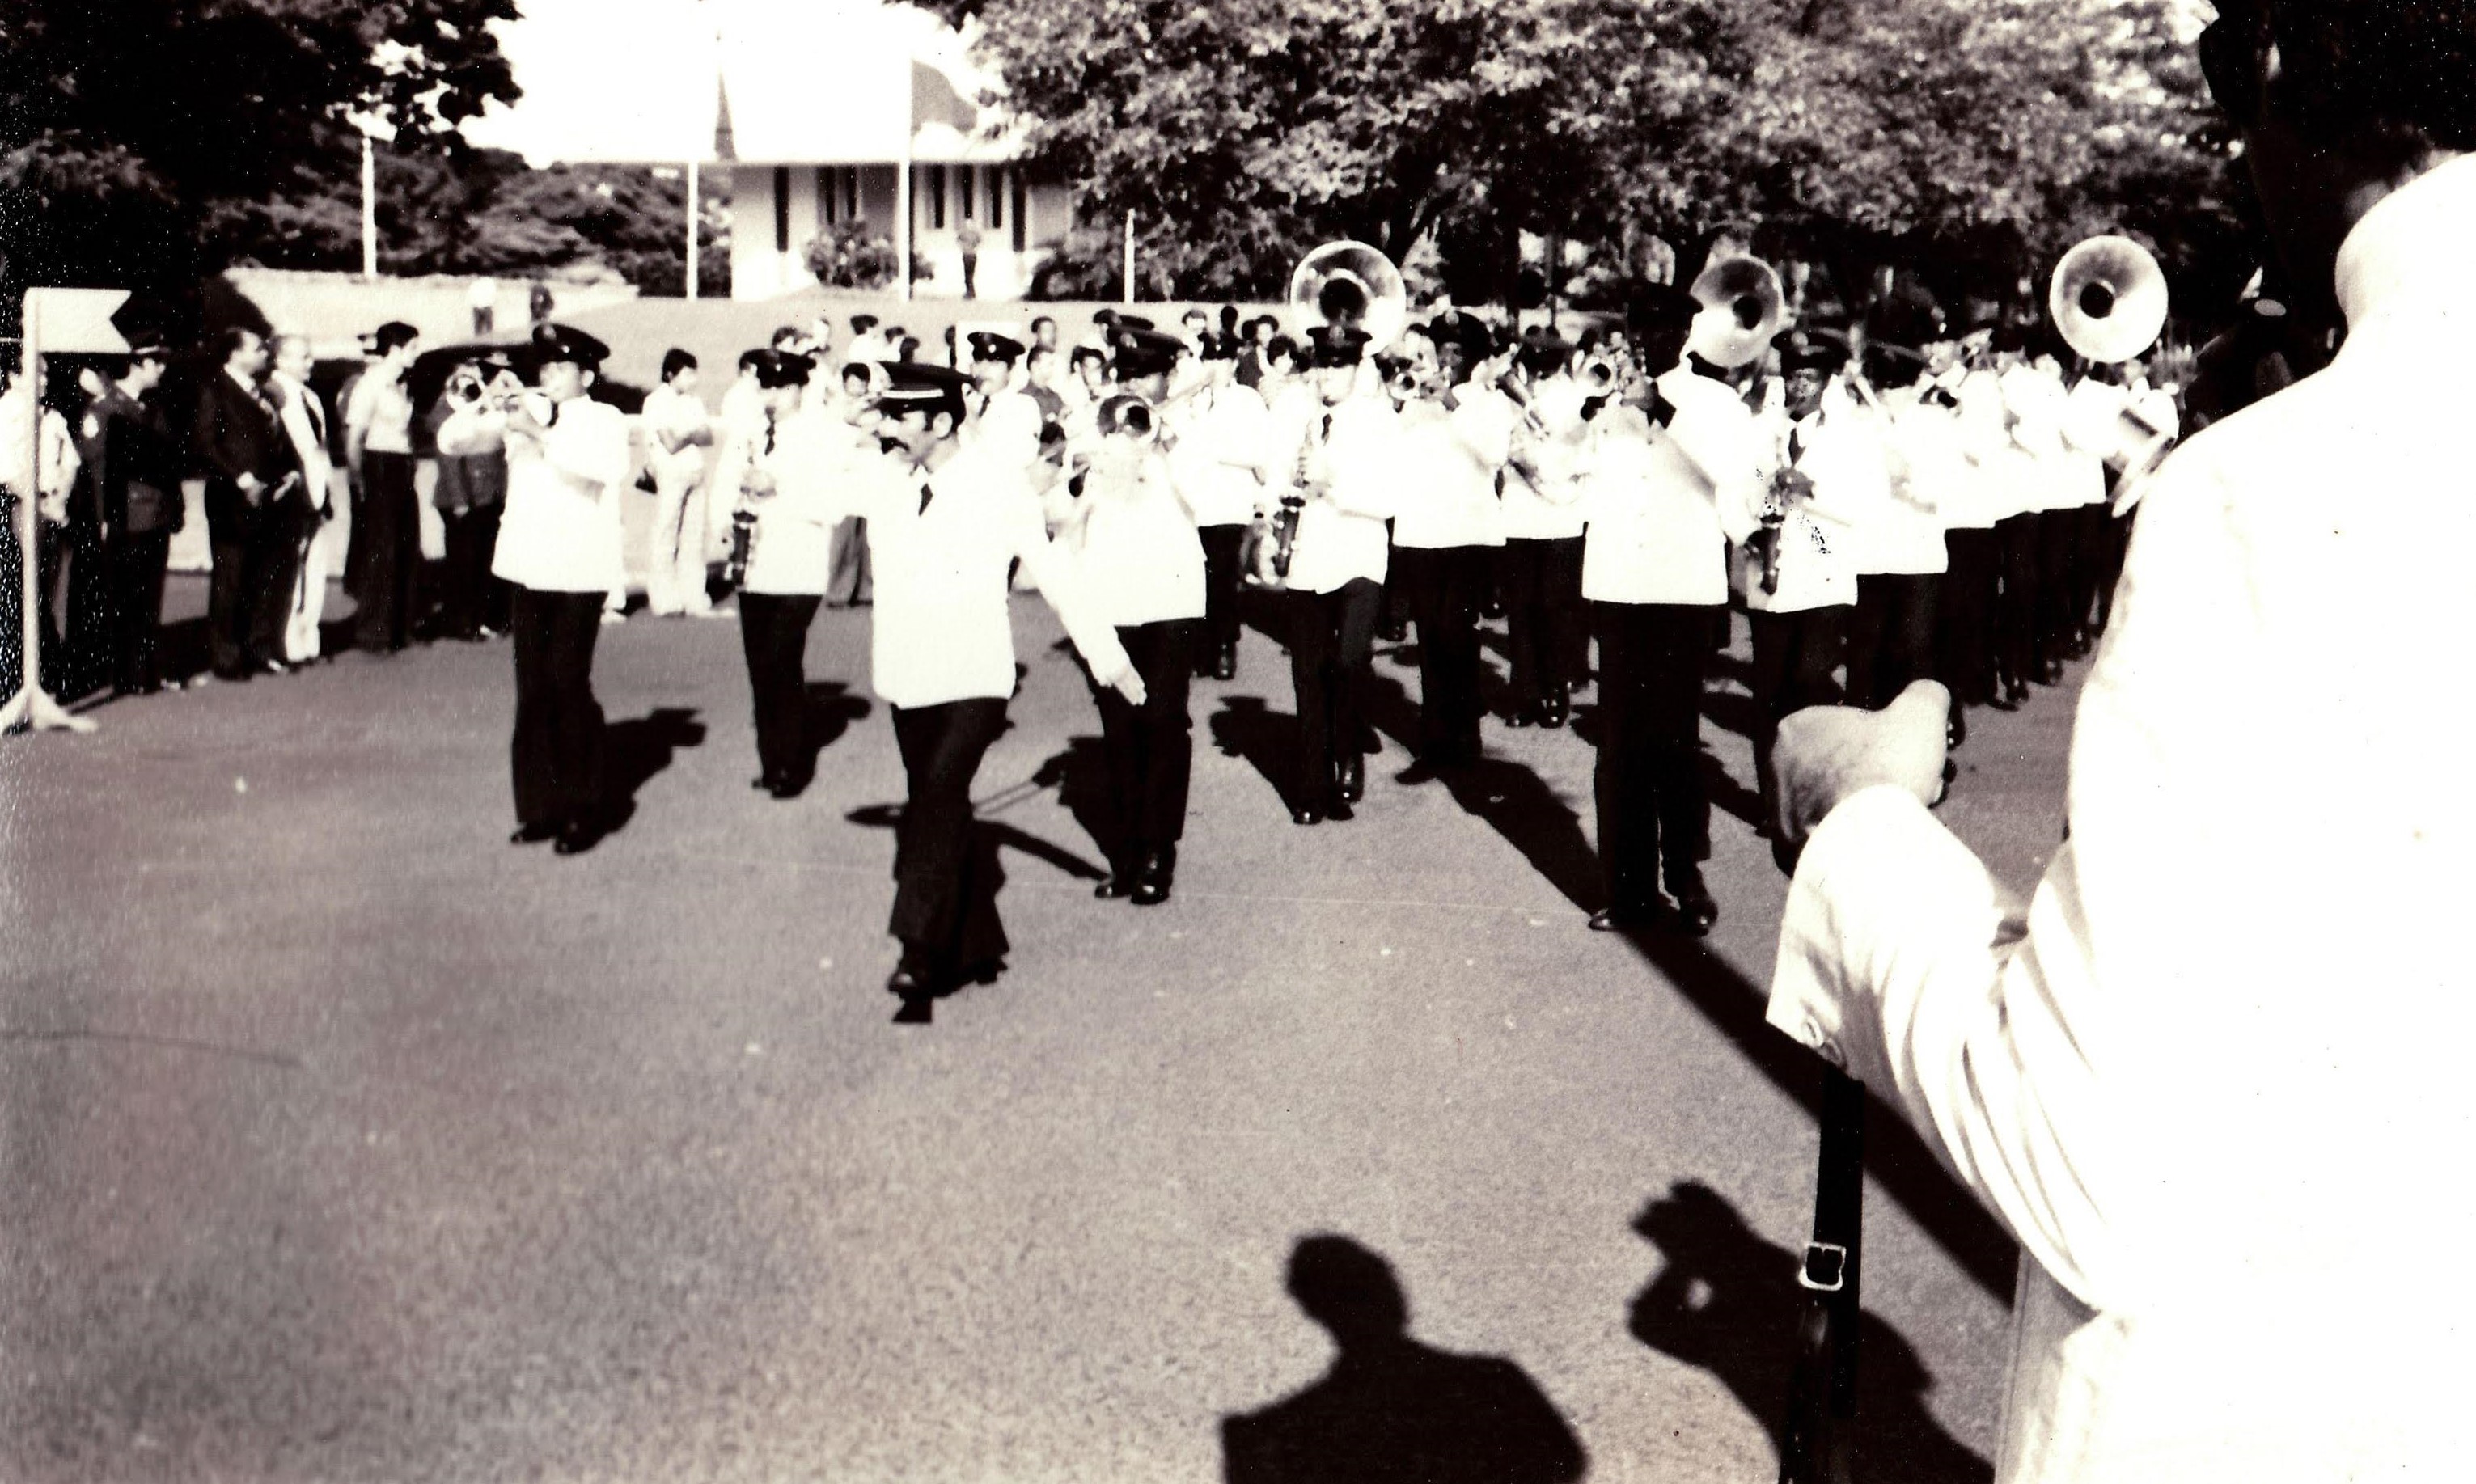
343, 1141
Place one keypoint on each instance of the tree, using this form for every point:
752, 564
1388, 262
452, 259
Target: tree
123, 125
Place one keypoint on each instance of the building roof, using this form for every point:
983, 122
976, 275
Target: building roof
759, 81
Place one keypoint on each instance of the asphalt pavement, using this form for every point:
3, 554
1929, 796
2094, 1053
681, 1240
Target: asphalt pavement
341, 1140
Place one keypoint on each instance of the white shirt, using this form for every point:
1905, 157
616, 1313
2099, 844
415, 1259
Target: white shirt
381, 411
2216, 1084
60, 461
1341, 535
1224, 443
1551, 508
1818, 543
671, 411
940, 629
2004, 478
792, 550
1445, 468
1900, 533
1653, 495
1010, 425
1133, 537
561, 529
305, 422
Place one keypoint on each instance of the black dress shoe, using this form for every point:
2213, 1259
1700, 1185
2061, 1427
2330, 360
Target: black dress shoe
1154, 877
1224, 665
1352, 781
1337, 809
234, 673
1618, 920
2015, 693
1955, 731
1119, 885
274, 667
784, 790
532, 834
1306, 814
1395, 633
1555, 711
1420, 772
578, 836
761, 781
909, 982
1696, 911
2051, 673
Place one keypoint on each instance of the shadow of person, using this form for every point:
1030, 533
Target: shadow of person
1080, 775
1727, 1301
636, 751
1247, 727
1392, 1410
830, 711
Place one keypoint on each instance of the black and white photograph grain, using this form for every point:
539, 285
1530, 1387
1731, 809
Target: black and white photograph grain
1237, 741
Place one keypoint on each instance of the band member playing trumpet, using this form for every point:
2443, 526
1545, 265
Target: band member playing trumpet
1455, 436
1660, 465
1141, 568
1344, 475
1821, 466
779, 474
1222, 463
569, 463
1546, 623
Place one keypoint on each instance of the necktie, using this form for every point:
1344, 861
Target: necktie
925, 493
769, 438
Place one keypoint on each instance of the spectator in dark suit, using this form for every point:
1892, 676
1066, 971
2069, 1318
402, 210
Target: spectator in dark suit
251, 473
134, 471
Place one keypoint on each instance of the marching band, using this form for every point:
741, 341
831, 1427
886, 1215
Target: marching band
1886, 499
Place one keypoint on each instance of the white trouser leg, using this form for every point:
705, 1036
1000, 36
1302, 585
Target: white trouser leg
310, 595
688, 569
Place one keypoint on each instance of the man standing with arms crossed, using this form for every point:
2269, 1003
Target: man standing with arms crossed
2213, 1081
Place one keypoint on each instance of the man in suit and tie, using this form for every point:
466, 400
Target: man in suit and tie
306, 420
253, 476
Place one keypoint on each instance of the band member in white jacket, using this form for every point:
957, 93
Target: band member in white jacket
1547, 623
1454, 436
2213, 1079
1901, 554
1141, 565
947, 523
1658, 466
1223, 461
569, 463
780, 477
1824, 469
1343, 463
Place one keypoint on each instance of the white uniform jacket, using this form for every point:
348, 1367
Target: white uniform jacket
1010, 426
1842, 453
2215, 1082
561, 529
2003, 479
1903, 534
1341, 532
1653, 495
941, 629
679, 413
1551, 508
1133, 536
1446, 469
791, 552
2040, 409
1224, 459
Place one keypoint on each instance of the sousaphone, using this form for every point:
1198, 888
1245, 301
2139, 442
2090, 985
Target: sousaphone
1350, 283
1742, 307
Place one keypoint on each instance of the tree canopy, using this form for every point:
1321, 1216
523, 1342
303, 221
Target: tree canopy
1241, 132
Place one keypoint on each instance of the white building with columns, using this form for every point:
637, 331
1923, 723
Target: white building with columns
816, 112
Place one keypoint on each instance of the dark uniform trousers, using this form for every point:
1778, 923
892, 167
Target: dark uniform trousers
774, 636
81, 659
2097, 541
2113, 540
1546, 623
1965, 642
390, 548
1443, 587
1151, 748
1796, 662
2016, 601
1331, 636
1891, 635
1653, 798
941, 913
2059, 580
557, 748
249, 597
1224, 548
471, 599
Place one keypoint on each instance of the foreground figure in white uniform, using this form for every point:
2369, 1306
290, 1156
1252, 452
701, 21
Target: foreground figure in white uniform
2218, 1089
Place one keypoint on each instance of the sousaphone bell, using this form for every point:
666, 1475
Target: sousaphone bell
1350, 283
2109, 300
1742, 307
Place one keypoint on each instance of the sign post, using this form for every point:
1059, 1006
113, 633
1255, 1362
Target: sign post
76, 320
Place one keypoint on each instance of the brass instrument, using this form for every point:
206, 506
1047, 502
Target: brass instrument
2109, 301
1349, 283
1742, 307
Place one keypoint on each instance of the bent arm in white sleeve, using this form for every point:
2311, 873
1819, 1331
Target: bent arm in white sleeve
1898, 960
1063, 587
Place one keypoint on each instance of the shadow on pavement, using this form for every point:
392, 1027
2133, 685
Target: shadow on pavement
831, 711
1392, 1410
1245, 727
1727, 1301
636, 751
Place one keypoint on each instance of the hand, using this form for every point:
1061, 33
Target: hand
1796, 484
249, 485
1126, 683
54, 509
1826, 754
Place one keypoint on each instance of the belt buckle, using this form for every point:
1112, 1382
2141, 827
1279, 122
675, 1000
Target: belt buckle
1825, 1269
